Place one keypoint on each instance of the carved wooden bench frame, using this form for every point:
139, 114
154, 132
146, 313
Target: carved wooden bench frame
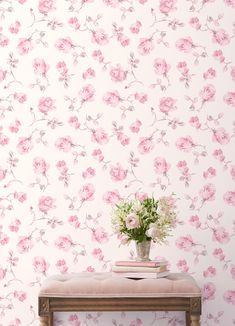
48, 305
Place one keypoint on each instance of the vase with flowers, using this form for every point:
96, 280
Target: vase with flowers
144, 221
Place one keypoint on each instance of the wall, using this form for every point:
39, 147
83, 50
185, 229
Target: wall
102, 100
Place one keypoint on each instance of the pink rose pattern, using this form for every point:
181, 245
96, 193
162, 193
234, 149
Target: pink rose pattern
114, 99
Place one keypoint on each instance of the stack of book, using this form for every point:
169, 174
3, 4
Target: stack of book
139, 270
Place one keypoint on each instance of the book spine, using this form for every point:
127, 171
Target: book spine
136, 269
143, 264
141, 275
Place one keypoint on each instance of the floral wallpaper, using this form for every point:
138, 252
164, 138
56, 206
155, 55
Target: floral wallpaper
108, 99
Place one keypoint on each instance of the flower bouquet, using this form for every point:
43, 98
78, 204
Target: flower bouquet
144, 220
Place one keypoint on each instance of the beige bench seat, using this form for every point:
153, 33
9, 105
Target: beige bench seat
102, 292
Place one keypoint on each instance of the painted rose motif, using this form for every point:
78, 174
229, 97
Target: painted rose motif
46, 203
185, 44
167, 6
45, 6
117, 74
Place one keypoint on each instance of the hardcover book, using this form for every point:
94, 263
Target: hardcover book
135, 275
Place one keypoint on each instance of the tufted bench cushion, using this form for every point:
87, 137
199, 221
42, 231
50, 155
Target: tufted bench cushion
91, 285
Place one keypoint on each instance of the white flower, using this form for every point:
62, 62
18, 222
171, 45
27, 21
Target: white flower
152, 232
132, 221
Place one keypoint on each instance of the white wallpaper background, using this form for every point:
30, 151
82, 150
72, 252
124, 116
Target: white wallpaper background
103, 100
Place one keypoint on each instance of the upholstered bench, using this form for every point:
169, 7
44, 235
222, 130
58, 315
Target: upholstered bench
102, 292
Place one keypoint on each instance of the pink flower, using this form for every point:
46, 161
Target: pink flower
124, 139
218, 253
97, 55
218, 155
87, 192
21, 196
87, 93
20, 97
230, 3
229, 198
161, 166
20, 295
97, 254
88, 74
14, 226
73, 121
141, 97
182, 166
100, 235
229, 99
195, 23
218, 55
39, 165
4, 140
24, 244
135, 126
167, 104
14, 28
97, 154
135, 28
73, 21
111, 197
24, 46
161, 67
194, 221
61, 265
209, 173
232, 271
24, 145
40, 66
73, 220
185, 144
232, 172
208, 93
145, 145
2, 273
209, 74
112, 98
61, 166
64, 243
182, 265
117, 173
89, 173
221, 235
123, 238
209, 272
40, 265
2, 74
45, 104
182, 67
64, 44
167, 6
111, 3
194, 121
100, 136
232, 73
62, 68
117, 74
208, 291
4, 239
89, 269
221, 37
185, 243
123, 39
2, 174
100, 37
185, 44
221, 136
145, 46
132, 221
64, 144
45, 6
4, 40
207, 192
229, 296
14, 126
137, 321
46, 203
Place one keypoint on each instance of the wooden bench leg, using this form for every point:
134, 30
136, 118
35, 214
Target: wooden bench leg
195, 320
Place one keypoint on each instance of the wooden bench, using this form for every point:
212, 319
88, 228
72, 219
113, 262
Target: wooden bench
102, 292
